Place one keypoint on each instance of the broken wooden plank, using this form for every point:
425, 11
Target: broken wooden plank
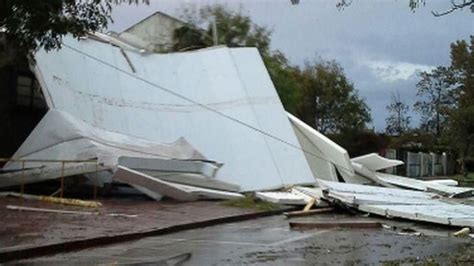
47, 210
309, 205
335, 224
463, 232
307, 213
64, 201
22, 208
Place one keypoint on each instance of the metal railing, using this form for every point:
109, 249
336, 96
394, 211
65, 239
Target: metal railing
63, 166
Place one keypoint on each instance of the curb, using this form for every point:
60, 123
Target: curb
38, 251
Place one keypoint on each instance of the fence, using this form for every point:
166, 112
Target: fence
421, 164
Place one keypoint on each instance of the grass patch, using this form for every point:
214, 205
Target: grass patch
470, 176
250, 202
468, 179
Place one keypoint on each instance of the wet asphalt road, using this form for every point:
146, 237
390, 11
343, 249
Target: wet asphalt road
270, 241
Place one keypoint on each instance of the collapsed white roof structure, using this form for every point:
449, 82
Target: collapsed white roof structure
61, 136
220, 100
203, 124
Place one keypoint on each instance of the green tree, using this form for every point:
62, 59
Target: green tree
461, 118
360, 142
437, 94
330, 104
32, 24
462, 62
285, 78
398, 121
454, 5
233, 29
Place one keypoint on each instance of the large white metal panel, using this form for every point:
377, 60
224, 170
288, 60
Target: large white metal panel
401, 203
320, 165
440, 212
417, 184
280, 197
320, 150
154, 186
375, 162
385, 199
266, 108
232, 81
356, 189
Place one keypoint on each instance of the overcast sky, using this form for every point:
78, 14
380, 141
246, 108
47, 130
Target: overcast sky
381, 45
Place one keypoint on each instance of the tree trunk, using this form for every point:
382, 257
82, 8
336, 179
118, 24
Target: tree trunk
8, 51
465, 153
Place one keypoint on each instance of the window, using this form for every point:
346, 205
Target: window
28, 92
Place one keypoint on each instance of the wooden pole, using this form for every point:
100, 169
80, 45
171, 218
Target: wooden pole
22, 187
96, 175
61, 194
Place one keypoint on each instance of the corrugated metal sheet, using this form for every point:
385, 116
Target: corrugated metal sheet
233, 81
